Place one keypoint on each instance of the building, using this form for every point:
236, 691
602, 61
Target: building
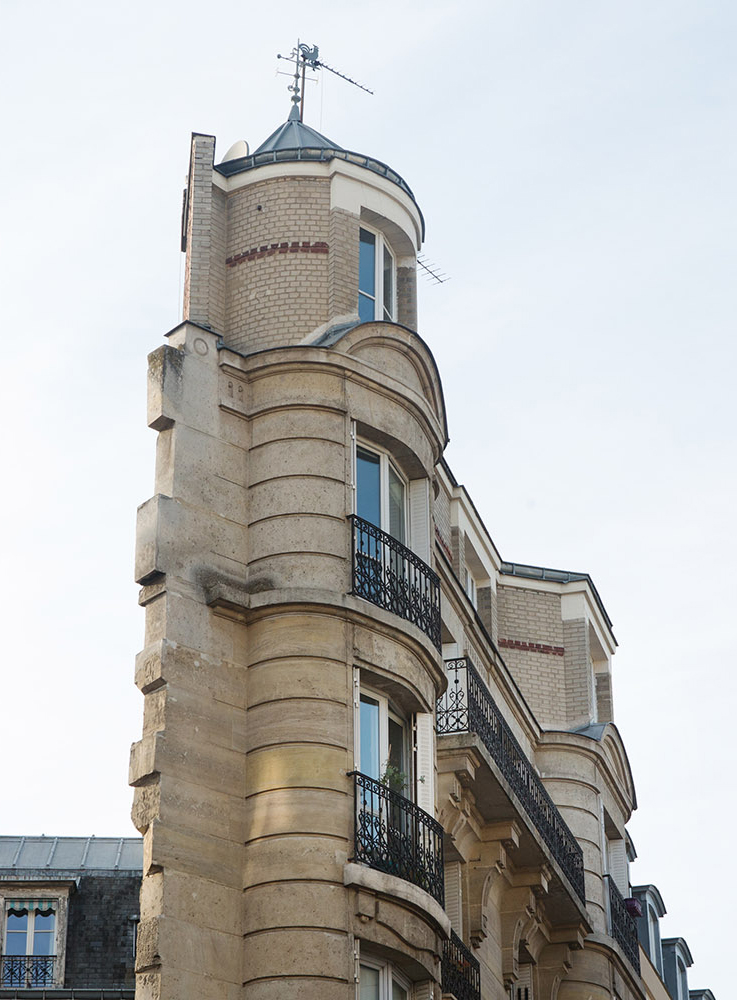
70, 914
378, 760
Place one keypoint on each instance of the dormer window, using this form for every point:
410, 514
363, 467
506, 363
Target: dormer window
376, 278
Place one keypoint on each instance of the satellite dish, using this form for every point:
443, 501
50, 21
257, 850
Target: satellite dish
237, 151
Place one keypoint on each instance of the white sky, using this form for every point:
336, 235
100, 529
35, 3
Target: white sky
575, 162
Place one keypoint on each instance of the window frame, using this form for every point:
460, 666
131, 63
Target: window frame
388, 975
387, 712
386, 465
379, 298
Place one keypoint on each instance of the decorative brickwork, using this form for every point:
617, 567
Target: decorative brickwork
268, 251
533, 647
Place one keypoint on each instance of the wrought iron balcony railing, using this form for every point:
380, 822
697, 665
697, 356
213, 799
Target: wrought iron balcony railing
622, 927
391, 576
467, 706
24, 971
395, 836
461, 974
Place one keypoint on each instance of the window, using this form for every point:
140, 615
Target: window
470, 587
30, 943
381, 493
656, 951
382, 982
376, 278
383, 745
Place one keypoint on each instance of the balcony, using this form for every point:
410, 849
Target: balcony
461, 974
395, 836
391, 576
622, 927
25, 971
467, 706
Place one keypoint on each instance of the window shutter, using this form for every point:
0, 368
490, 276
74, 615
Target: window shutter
419, 518
617, 851
523, 986
454, 896
425, 761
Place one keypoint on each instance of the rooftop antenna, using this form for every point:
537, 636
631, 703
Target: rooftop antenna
305, 56
432, 271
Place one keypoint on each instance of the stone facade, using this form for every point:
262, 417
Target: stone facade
275, 618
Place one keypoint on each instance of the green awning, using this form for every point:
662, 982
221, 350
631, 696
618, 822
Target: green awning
29, 905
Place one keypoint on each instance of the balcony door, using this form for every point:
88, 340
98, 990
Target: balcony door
381, 493
383, 744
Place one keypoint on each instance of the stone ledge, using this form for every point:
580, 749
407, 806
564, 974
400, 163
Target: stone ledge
389, 885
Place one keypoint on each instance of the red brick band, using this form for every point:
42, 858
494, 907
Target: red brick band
532, 647
268, 251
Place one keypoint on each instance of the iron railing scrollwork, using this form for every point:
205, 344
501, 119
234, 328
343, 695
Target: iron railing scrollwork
24, 971
391, 576
395, 836
622, 927
467, 706
461, 974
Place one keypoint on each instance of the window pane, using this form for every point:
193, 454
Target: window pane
368, 486
388, 290
367, 263
370, 762
43, 943
396, 751
15, 944
44, 921
398, 992
366, 308
396, 506
369, 983
17, 921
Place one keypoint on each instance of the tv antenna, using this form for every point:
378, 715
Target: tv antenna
303, 56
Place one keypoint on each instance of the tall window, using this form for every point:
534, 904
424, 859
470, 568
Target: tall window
28, 958
376, 278
384, 753
381, 494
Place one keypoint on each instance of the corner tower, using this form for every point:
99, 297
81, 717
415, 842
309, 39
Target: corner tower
273, 240
285, 782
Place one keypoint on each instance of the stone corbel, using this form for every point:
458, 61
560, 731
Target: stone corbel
486, 874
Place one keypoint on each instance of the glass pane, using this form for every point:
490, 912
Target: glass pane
17, 921
367, 263
43, 943
368, 486
398, 992
369, 983
44, 922
396, 506
370, 762
366, 308
15, 944
396, 757
388, 285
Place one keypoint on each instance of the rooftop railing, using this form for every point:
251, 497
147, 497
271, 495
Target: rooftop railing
391, 576
467, 706
622, 927
395, 836
461, 974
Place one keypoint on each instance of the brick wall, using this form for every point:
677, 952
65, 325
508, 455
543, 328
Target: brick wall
441, 517
532, 643
100, 931
579, 696
343, 263
279, 294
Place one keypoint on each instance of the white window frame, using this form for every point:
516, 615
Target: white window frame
380, 305
388, 975
386, 711
385, 463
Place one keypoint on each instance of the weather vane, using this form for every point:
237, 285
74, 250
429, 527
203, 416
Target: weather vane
303, 56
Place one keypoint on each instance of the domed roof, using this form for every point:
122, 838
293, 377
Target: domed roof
294, 134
